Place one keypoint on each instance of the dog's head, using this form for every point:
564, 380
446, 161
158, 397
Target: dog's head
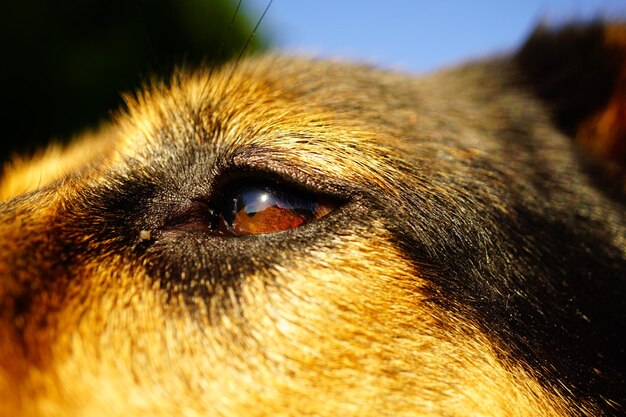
289, 237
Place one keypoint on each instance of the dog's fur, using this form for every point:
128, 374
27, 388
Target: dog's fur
474, 263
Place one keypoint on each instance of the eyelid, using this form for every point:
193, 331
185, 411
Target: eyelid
264, 167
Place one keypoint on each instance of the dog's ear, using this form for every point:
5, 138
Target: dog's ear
580, 71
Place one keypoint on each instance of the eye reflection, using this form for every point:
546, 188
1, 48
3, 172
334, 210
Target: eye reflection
259, 209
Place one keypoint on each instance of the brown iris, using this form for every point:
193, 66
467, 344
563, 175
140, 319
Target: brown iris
258, 209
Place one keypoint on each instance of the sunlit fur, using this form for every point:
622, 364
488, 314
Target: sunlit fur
345, 321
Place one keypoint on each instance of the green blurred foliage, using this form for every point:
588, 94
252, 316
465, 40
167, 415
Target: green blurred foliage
65, 62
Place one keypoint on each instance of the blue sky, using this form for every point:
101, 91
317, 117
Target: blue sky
414, 35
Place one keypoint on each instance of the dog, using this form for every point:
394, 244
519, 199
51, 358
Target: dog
296, 237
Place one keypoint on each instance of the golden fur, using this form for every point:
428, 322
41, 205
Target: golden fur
347, 327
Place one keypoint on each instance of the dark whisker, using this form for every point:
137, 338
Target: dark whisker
230, 27
258, 23
235, 65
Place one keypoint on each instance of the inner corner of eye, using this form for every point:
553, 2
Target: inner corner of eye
261, 209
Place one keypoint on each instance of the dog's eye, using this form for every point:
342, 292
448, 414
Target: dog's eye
258, 209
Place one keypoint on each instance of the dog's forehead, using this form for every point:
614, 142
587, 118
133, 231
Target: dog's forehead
271, 111
328, 119
294, 97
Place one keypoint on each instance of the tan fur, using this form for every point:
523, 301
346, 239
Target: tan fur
23, 175
438, 365
347, 331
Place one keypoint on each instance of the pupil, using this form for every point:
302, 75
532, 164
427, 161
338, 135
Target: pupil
255, 200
